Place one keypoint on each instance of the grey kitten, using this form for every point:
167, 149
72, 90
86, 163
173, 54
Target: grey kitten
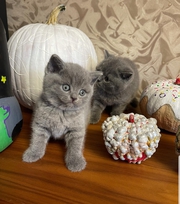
62, 111
116, 87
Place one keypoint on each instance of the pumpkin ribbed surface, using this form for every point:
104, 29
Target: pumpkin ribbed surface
30, 49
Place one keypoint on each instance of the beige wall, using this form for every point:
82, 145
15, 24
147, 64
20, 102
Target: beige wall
146, 31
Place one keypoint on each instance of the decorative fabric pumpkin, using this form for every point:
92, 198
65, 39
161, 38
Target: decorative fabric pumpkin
131, 137
31, 47
161, 100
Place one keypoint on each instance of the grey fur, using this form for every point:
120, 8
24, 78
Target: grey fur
117, 86
62, 113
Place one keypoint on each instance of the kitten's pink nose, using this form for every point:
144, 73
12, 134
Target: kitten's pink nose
73, 99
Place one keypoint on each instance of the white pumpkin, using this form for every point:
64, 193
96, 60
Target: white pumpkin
31, 47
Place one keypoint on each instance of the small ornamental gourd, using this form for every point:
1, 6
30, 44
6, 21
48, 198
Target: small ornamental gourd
161, 100
131, 137
31, 47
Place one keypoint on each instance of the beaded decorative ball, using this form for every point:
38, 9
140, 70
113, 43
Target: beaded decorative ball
131, 137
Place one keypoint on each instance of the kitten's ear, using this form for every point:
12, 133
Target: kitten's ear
106, 54
94, 76
55, 64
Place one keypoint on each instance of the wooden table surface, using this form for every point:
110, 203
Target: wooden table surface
103, 181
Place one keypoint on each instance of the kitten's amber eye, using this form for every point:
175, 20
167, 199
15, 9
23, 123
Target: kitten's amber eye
82, 92
106, 79
65, 87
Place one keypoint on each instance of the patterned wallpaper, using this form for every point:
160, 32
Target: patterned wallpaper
146, 31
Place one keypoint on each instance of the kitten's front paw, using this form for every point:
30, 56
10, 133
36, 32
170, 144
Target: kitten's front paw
95, 118
30, 156
75, 164
115, 113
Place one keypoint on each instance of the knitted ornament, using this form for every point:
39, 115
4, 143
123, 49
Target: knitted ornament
131, 137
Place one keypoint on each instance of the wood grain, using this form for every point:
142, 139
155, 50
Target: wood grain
103, 181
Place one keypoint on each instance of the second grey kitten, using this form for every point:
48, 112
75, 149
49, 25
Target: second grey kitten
117, 86
62, 110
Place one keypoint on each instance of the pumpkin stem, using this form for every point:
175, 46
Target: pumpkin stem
177, 80
131, 118
54, 14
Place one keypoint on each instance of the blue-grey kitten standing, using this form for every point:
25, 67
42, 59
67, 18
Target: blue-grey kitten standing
62, 111
117, 86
